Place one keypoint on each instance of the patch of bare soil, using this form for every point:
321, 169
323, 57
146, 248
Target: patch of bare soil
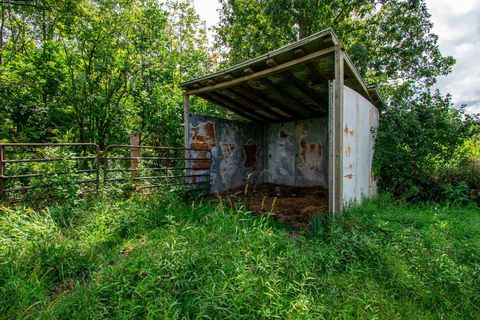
287, 205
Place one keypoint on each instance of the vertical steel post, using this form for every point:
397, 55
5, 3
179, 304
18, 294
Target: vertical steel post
105, 166
186, 115
338, 127
134, 153
2, 173
331, 146
97, 173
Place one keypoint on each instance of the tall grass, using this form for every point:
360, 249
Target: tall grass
159, 257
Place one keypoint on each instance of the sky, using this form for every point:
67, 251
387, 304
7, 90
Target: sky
456, 22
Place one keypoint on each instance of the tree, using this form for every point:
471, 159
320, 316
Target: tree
392, 44
387, 40
98, 68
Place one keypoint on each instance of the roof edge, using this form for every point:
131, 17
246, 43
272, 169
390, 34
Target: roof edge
293, 45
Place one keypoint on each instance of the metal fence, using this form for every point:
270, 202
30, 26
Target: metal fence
28, 166
155, 167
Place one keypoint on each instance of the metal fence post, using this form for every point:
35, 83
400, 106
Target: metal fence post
97, 176
2, 172
105, 166
134, 153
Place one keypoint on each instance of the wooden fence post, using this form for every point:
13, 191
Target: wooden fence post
134, 153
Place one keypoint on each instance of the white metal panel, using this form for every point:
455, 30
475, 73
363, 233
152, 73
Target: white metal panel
349, 148
359, 124
374, 123
363, 151
312, 151
281, 153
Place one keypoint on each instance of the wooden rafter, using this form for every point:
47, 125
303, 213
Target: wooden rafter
236, 106
264, 103
259, 102
245, 103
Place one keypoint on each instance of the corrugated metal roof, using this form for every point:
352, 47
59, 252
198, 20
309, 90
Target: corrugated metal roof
285, 84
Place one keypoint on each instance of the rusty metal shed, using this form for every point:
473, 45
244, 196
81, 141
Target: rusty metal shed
309, 120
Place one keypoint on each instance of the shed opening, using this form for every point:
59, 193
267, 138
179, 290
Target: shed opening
309, 128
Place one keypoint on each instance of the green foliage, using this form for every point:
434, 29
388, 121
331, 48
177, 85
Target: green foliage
457, 194
161, 258
417, 139
102, 68
55, 183
389, 40
392, 44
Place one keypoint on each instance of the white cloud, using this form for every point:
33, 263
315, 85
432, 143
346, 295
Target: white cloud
457, 24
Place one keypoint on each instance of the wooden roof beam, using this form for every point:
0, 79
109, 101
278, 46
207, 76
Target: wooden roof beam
268, 84
243, 95
285, 100
233, 109
287, 75
237, 107
263, 101
237, 98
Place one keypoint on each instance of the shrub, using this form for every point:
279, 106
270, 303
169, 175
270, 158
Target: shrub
418, 139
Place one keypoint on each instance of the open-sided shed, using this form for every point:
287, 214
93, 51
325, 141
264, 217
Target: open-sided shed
310, 120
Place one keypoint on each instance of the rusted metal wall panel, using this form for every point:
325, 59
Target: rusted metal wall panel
360, 121
281, 153
298, 153
237, 150
293, 153
312, 152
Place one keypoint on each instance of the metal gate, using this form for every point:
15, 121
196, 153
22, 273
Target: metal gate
27, 166
156, 167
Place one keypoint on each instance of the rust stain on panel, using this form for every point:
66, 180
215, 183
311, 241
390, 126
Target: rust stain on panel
349, 176
203, 138
311, 154
348, 151
303, 146
347, 131
250, 152
228, 149
283, 134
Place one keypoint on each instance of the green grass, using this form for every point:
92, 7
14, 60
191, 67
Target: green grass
159, 258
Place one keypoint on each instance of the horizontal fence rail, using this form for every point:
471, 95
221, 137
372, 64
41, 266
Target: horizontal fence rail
164, 166
28, 166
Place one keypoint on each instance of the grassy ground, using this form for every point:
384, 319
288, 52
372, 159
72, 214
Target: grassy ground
158, 258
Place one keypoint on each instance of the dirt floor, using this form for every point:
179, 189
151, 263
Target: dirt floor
285, 204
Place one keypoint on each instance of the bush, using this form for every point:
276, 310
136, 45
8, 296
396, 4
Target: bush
418, 139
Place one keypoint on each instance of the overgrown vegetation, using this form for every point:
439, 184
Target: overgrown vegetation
100, 69
162, 258
392, 44
97, 70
